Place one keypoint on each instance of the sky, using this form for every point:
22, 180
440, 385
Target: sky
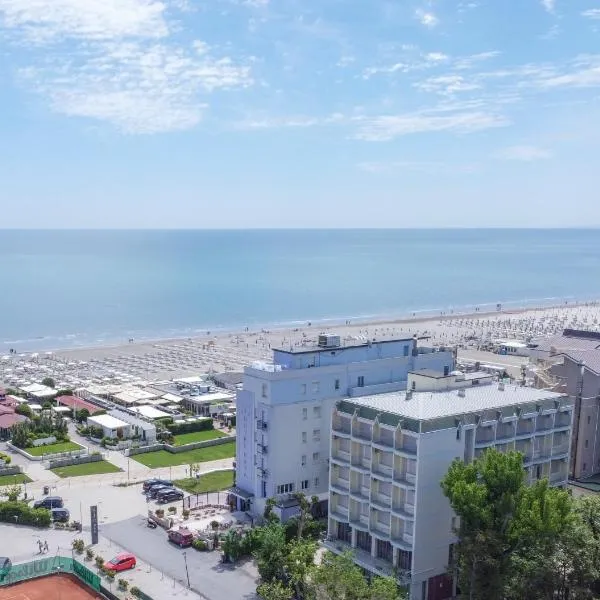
293, 113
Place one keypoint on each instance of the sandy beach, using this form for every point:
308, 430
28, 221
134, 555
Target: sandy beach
222, 352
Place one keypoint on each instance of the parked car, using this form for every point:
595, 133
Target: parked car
169, 495
154, 481
152, 492
182, 537
60, 514
5, 567
121, 562
49, 502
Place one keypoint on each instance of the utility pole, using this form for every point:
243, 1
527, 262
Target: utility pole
186, 569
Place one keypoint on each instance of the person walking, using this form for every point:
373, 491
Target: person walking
45, 545
39, 546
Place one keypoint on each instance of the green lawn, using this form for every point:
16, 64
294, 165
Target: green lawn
211, 482
162, 458
197, 436
13, 479
53, 448
93, 468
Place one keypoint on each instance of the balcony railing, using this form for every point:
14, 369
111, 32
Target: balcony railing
560, 449
362, 493
542, 453
342, 428
340, 483
404, 510
260, 424
557, 476
361, 521
261, 449
340, 511
377, 527
383, 470
405, 477
381, 499
341, 455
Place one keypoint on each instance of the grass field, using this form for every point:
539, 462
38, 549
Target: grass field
13, 479
93, 468
197, 436
211, 482
162, 458
53, 448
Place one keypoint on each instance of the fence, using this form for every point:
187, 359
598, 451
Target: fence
26, 454
49, 566
206, 498
178, 449
14, 470
74, 460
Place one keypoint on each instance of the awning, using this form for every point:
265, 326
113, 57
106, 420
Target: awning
240, 493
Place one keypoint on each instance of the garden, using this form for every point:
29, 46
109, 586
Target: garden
43, 427
211, 482
92, 468
162, 458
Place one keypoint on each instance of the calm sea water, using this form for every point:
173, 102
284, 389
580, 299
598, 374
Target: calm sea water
77, 288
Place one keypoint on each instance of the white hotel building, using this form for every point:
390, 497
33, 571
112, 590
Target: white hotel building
389, 453
284, 411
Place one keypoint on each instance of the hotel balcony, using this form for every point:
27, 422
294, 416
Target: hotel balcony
405, 510
563, 420
378, 566
526, 450
340, 456
340, 484
542, 453
260, 424
402, 540
380, 530
544, 423
261, 449
405, 478
341, 427
524, 429
380, 500
485, 436
361, 435
505, 432
360, 521
383, 471
339, 513
361, 493
408, 447
384, 442
560, 450
361, 463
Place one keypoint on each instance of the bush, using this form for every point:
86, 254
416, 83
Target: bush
123, 584
172, 509
78, 546
199, 544
99, 562
25, 410
48, 382
160, 512
214, 525
22, 514
89, 554
110, 575
135, 591
64, 392
186, 513
192, 427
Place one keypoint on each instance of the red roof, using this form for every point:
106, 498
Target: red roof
78, 403
7, 420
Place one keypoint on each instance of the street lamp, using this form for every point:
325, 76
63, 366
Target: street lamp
186, 569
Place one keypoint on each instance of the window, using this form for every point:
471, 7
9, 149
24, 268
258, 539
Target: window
337, 384
317, 435
304, 413
317, 412
589, 419
305, 484
586, 443
316, 482
360, 382
315, 387
304, 437
316, 456
264, 390
303, 389
405, 350
286, 488
458, 434
304, 460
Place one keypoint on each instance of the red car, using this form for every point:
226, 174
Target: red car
121, 562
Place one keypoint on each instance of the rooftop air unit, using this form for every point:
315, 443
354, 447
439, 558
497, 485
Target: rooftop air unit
329, 341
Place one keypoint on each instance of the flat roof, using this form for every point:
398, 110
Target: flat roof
150, 412
342, 346
429, 373
432, 405
210, 397
108, 421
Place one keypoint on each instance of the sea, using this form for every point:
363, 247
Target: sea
68, 289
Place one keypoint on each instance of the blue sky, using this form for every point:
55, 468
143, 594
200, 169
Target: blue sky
289, 113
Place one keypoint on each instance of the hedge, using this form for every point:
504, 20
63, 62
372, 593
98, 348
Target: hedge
177, 428
39, 517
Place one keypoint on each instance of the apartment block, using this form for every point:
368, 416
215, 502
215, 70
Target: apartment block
284, 411
390, 451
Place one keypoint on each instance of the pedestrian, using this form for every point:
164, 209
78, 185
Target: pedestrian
45, 545
40, 546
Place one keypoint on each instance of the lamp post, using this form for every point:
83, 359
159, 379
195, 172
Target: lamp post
186, 569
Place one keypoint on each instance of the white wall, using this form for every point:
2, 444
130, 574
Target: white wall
433, 516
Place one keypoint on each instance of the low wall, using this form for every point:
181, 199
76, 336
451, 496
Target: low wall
11, 470
184, 448
74, 460
28, 456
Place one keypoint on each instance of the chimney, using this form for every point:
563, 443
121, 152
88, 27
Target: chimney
408, 395
415, 351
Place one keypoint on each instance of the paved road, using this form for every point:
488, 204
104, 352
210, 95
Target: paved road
208, 576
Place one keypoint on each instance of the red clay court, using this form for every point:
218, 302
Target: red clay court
55, 587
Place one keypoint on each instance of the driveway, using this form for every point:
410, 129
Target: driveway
208, 576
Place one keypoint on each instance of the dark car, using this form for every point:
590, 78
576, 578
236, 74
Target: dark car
61, 515
5, 567
153, 492
168, 495
49, 502
154, 481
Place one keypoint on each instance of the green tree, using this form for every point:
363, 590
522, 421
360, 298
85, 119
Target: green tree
385, 588
274, 590
25, 410
268, 514
82, 415
338, 578
299, 563
20, 435
11, 492
272, 552
48, 382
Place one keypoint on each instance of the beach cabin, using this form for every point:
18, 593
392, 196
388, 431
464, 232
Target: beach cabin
511, 347
111, 426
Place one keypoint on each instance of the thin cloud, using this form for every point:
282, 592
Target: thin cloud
427, 18
592, 13
524, 153
429, 167
549, 5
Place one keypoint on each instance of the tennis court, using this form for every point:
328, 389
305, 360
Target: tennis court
55, 587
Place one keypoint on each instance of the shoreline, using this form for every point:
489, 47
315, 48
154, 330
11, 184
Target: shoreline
405, 318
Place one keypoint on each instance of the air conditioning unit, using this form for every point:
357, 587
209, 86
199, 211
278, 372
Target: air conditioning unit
329, 341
